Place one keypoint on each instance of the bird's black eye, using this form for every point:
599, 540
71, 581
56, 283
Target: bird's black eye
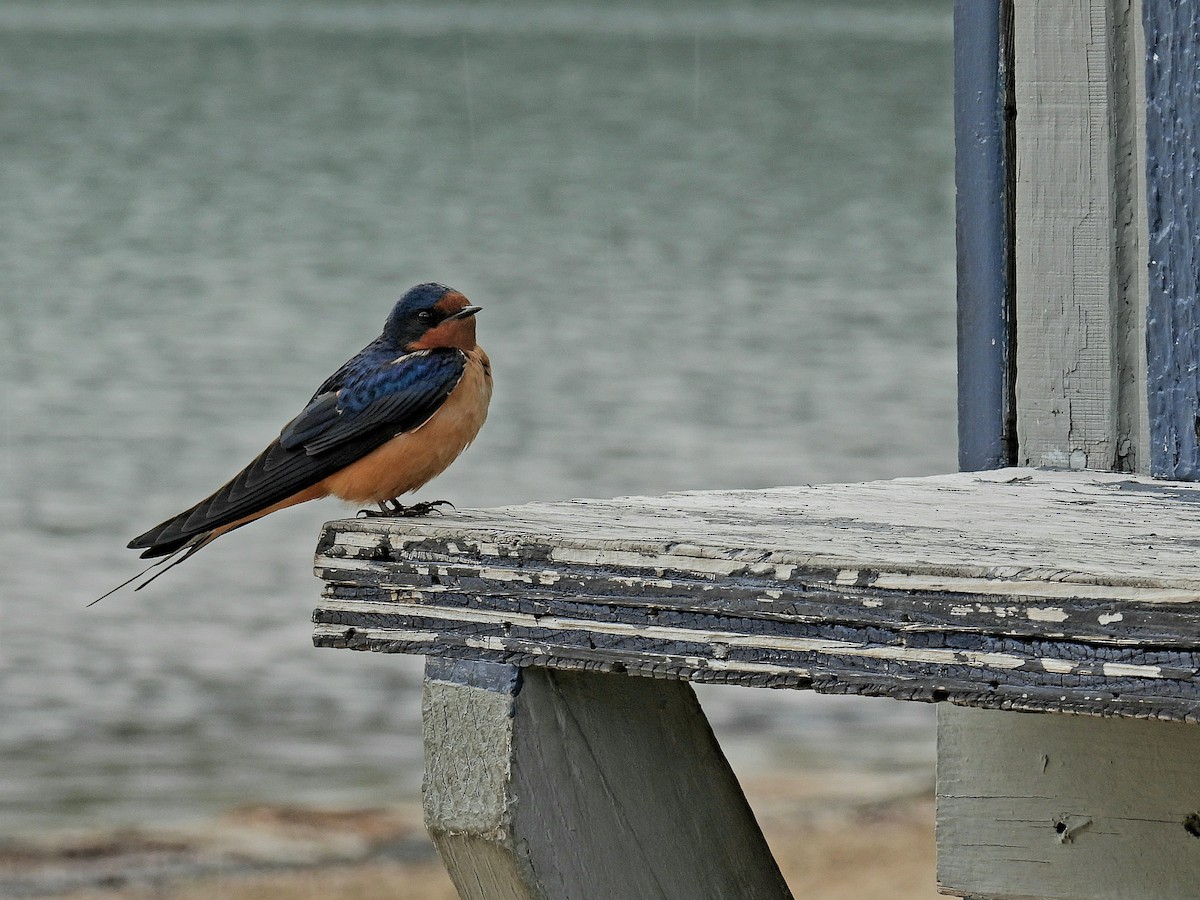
425, 316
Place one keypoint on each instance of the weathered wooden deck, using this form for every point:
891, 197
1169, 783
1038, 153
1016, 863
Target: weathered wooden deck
1018, 588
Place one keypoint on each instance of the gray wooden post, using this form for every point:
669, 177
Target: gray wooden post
552, 784
1057, 806
1079, 235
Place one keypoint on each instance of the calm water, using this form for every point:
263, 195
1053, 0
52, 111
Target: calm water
713, 245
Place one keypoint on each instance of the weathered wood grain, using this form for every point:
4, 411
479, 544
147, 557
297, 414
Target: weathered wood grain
1057, 806
1130, 258
1012, 589
468, 729
547, 784
1080, 285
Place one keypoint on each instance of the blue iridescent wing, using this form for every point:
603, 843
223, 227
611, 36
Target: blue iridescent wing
397, 397
375, 400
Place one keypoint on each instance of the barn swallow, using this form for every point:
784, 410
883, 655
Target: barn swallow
389, 420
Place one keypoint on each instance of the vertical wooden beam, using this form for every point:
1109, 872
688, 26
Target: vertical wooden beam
1172, 32
1128, 94
1079, 294
982, 177
547, 785
1067, 807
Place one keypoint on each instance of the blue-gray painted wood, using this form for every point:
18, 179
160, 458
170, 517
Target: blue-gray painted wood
496, 677
1173, 200
984, 214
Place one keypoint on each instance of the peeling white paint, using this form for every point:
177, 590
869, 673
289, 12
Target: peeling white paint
359, 539
1128, 670
1057, 666
1008, 548
671, 633
1046, 614
728, 665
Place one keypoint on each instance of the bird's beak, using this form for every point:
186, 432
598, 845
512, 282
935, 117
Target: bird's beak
464, 313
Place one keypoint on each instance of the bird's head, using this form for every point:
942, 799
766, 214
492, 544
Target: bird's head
429, 316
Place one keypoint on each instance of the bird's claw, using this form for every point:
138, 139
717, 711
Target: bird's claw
394, 509
423, 508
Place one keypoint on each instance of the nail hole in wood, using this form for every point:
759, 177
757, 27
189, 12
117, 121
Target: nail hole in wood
1192, 824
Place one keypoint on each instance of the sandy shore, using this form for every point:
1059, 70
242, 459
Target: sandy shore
836, 836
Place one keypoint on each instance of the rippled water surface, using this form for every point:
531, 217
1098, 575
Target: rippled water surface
714, 247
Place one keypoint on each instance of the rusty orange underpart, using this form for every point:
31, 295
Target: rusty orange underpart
409, 460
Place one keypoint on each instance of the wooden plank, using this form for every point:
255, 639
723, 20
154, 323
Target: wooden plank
1130, 262
1124, 535
1080, 294
545, 785
983, 171
1062, 807
1172, 32
1087, 599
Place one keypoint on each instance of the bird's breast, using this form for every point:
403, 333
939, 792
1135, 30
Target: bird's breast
411, 459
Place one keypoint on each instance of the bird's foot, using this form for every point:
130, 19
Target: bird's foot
424, 508
394, 508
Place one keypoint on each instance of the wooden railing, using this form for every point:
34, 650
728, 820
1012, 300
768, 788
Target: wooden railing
1017, 589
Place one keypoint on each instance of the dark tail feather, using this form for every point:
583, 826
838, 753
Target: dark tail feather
272, 477
168, 549
197, 543
191, 545
128, 581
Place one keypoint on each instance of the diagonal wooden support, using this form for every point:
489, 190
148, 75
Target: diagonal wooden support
545, 784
